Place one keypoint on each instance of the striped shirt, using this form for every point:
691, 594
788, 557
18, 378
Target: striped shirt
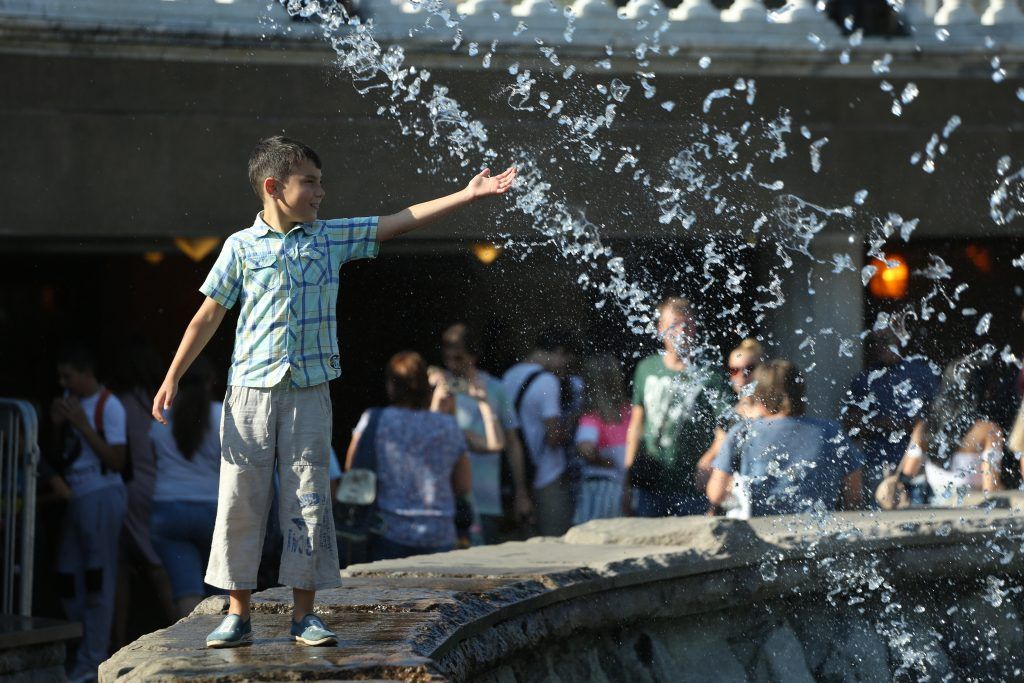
287, 286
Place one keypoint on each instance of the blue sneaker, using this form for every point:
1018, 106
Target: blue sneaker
311, 631
231, 632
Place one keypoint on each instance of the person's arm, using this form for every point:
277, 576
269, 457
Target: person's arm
350, 454
418, 215
703, 474
462, 477
633, 434
913, 459
543, 397
112, 457
493, 440
517, 463
719, 486
197, 335
992, 458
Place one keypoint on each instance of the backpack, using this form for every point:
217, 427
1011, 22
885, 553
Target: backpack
73, 441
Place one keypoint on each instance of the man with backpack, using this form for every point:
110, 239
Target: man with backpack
545, 398
90, 453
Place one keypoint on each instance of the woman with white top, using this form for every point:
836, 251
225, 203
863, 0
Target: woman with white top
187, 474
958, 444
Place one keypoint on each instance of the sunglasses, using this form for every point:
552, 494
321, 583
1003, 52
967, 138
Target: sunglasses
746, 370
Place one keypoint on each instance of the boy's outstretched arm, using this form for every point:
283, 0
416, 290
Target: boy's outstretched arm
483, 185
197, 335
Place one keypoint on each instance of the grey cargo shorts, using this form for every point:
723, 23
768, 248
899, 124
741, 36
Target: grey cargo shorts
287, 429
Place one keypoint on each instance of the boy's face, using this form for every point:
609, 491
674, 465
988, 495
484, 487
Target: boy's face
298, 197
77, 382
674, 329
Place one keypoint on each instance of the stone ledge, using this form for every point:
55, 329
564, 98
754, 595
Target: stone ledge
453, 616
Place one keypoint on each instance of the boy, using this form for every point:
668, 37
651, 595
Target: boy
283, 271
89, 426
676, 407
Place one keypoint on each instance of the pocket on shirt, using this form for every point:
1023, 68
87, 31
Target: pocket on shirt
262, 271
314, 265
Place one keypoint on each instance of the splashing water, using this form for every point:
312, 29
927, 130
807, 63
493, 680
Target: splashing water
724, 174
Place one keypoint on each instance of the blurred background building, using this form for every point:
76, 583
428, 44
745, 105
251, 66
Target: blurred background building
126, 126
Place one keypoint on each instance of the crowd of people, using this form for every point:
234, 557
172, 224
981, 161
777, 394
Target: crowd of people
461, 457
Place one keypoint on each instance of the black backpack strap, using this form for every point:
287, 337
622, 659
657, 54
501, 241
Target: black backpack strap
522, 391
518, 402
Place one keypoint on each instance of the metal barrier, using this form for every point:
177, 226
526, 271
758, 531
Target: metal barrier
19, 459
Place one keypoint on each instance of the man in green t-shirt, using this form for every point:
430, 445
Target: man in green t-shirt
676, 407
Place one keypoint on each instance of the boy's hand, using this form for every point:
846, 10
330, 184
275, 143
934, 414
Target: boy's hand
75, 414
58, 414
483, 185
164, 399
68, 409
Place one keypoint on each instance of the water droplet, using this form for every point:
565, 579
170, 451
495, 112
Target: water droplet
983, 324
619, 90
942, 34
704, 62
859, 197
910, 92
668, 105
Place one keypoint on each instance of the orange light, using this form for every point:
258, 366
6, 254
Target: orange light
48, 298
891, 278
153, 257
486, 253
980, 257
196, 248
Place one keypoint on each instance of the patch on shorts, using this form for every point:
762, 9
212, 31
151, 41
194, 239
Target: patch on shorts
335, 361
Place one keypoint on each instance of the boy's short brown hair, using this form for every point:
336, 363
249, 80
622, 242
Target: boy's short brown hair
275, 157
779, 387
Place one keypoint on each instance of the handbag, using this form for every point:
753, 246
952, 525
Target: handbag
892, 493
356, 499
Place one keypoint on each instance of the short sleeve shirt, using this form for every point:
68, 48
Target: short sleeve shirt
287, 288
609, 438
791, 464
681, 411
540, 402
86, 474
195, 478
417, 451
900, 392
486, 466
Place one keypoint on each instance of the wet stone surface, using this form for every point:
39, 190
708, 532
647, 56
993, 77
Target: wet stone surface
855, 597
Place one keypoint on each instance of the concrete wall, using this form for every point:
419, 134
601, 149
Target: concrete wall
110, 137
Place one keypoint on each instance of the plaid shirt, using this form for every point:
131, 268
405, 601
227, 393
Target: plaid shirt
288, 289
